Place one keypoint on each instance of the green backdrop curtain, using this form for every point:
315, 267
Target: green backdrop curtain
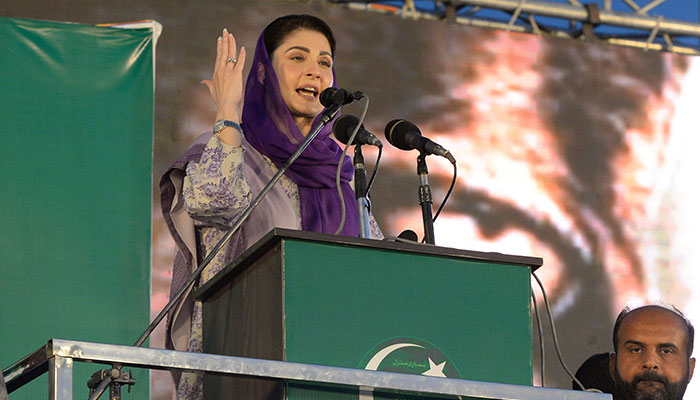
76, 126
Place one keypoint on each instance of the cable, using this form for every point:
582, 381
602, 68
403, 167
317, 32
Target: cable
554, 334
398, 239
340, 164
374, 173
449, 191
539, 336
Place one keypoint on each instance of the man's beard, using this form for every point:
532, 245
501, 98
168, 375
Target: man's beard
630, 391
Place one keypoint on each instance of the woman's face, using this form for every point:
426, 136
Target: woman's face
303, 65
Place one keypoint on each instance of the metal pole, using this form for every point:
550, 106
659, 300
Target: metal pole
361, 191
425, 198
579, 13
60, 378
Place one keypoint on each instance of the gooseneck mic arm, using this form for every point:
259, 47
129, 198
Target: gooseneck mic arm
326, 117
425, 198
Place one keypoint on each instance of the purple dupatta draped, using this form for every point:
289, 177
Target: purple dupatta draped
269, 128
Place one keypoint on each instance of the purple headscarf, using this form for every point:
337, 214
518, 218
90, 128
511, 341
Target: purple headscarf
270, 129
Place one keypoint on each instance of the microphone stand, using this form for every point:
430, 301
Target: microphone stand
425, 198
361, 191
328, 114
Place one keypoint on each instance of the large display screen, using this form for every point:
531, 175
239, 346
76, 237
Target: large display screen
577, 152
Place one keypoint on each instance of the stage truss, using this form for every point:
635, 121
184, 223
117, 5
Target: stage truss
571, 19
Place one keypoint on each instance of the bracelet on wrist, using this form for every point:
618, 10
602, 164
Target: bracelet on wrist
223, 123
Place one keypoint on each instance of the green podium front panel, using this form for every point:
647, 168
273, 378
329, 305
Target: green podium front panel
375, 307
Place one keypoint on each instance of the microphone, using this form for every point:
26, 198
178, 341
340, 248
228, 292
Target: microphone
409, 235
343, 127
338, 97
407, 136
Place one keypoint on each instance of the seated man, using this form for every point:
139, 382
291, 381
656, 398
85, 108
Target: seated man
653, 345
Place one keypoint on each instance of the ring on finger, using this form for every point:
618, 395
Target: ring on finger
232, 60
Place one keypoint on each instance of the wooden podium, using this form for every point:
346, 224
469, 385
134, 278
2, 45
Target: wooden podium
369, 304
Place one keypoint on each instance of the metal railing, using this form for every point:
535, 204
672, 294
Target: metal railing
58, 356
638, 28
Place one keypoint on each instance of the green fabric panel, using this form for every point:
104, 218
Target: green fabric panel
341, 303
76, 119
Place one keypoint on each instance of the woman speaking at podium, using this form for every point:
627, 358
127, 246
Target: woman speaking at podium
218, 176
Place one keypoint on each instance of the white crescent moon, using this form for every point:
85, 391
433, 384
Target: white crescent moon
366, 393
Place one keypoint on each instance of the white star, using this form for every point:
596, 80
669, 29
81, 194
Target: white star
435, 370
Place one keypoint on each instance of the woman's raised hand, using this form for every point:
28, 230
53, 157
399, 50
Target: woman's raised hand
226, 85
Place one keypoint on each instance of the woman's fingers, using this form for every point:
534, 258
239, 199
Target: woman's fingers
231, 46
219, 55
225, 47
241, 60
231, 56
226, 84
225, 50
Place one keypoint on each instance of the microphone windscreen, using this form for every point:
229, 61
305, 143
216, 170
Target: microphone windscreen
409, 235
343, 126
396, 132
332, 96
